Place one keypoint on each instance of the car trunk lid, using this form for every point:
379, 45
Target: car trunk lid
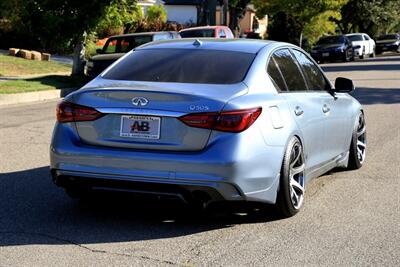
146, 115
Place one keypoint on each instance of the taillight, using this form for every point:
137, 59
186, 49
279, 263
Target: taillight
226, 121
70, 112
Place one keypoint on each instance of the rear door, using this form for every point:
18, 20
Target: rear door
305, 105
333, 109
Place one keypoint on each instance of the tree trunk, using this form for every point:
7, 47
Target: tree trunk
78, 65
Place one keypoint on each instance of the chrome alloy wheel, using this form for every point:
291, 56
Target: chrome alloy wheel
361, 138
296, 175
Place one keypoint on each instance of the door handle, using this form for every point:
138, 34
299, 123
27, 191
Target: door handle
298, 111
325, 108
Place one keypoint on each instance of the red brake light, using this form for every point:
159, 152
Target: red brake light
70, 112
226, 121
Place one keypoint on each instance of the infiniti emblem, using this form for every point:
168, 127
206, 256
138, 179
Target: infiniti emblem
140, 101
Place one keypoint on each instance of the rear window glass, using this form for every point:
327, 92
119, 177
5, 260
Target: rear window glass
388, 37
354, 38
125, 44
198, 33
183, 66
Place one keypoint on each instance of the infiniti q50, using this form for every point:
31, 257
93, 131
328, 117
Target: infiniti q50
209, 120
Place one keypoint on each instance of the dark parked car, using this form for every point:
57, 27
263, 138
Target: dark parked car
117, 46
388, 42
333, 48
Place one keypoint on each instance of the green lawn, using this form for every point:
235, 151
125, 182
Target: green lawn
51, 82
14, 66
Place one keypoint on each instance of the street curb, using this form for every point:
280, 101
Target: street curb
10, 99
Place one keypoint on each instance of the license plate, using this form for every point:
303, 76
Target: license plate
325, 54
143, 127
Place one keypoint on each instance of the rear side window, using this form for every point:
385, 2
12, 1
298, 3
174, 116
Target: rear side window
290, 71
125, 44
183, 66
275, 75
315, 79
198, 33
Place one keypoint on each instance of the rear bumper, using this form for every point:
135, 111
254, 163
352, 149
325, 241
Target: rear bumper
327, 55
229, 169
384, 48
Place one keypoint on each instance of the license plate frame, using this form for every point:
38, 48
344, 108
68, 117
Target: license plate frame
140, 127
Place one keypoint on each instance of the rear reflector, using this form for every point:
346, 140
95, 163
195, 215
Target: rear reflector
227, 121
70, 112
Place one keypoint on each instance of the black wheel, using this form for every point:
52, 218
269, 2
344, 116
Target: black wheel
358, 144
291, 188
373, 53
345, 57
77, 192
361, 56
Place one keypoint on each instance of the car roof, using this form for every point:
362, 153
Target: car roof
236, 45
140, 33
357, 33
203, 28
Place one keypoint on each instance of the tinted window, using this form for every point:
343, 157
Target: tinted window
290, 71
388, 37
125, 44
275, 75
314, 77
331, 40
198, 33
183, 66
354, 38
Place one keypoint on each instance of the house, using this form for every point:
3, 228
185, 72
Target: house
183, 11
206, 12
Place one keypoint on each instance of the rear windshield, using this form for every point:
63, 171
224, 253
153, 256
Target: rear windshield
388, 37
331, 40
198, 33
183, 66
125, 44
355, 37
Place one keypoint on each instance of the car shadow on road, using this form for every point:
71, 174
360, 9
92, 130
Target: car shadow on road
34, 211
370, 96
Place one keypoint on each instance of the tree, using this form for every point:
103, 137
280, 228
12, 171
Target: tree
53, 25
237, 9
369, 16
119, 17
293, 15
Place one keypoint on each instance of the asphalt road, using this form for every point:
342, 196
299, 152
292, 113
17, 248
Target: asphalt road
349, 218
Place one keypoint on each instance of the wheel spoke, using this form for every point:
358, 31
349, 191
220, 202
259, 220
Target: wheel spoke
297, 170
361, 144
296, 185
361, 132
297, 157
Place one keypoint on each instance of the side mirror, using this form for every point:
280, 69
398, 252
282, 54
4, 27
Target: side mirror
343, 85
99, 51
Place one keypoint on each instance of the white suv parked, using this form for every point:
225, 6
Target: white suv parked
362, 44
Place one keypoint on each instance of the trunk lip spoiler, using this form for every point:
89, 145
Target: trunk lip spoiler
138, 111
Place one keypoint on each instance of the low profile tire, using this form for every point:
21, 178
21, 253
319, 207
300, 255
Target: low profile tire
372, 54
358, 144
291, 189
76, 192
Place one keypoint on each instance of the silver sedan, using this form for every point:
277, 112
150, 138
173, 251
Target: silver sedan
206, 120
